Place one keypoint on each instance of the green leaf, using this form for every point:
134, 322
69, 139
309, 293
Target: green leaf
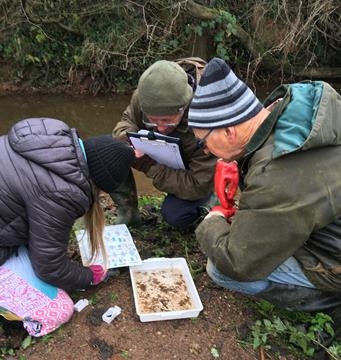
40, 37
198, 30
212, 24
257, 342
32, 59
219, 37
279, 325
267, 323
26, 342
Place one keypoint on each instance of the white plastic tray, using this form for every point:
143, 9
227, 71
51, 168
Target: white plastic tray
155, 264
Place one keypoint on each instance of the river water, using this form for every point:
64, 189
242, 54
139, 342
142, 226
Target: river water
89, 115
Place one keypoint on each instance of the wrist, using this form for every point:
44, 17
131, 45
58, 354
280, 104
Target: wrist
214, 213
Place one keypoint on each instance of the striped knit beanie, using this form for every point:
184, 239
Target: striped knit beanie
221, 99
109, 161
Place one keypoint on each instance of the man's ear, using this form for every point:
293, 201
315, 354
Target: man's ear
231, 134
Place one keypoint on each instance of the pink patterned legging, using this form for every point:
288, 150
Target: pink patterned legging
41, 307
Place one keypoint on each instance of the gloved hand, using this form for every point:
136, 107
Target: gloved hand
98, 274
143, 163
226, 179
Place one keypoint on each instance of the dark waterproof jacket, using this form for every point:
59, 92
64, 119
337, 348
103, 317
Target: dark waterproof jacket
290, 202
192, 184
44, 188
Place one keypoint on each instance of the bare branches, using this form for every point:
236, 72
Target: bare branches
292, 36
39, 21
111, 38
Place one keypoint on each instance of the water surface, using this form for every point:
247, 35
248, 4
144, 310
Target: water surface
88, 114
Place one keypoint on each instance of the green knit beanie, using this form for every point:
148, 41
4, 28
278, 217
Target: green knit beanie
163, 89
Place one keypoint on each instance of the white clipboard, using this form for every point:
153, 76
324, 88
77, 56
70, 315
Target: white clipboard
165, 150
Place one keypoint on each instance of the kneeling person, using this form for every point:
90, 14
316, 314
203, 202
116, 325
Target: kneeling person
160, 103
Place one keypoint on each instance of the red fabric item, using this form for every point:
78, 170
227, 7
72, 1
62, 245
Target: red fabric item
98, 274
226, 179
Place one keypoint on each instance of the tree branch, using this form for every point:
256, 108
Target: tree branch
266, 58
39, 21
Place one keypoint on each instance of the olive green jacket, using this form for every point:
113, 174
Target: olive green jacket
290, 202
191, 184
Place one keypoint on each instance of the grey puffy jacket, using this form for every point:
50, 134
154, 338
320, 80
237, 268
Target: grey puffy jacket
44, 188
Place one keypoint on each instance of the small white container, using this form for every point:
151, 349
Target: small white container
155, 265
81, 304
111, 314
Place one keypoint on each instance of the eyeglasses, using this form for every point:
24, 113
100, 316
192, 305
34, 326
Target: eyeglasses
201, 143
161, 122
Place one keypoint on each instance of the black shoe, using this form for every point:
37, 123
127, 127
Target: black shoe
208, 205
12, 333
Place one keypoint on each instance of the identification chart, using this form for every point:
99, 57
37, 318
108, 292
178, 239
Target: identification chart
119, 245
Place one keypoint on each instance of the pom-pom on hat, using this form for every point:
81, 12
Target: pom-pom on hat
221, 99
109, 161
163, 89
